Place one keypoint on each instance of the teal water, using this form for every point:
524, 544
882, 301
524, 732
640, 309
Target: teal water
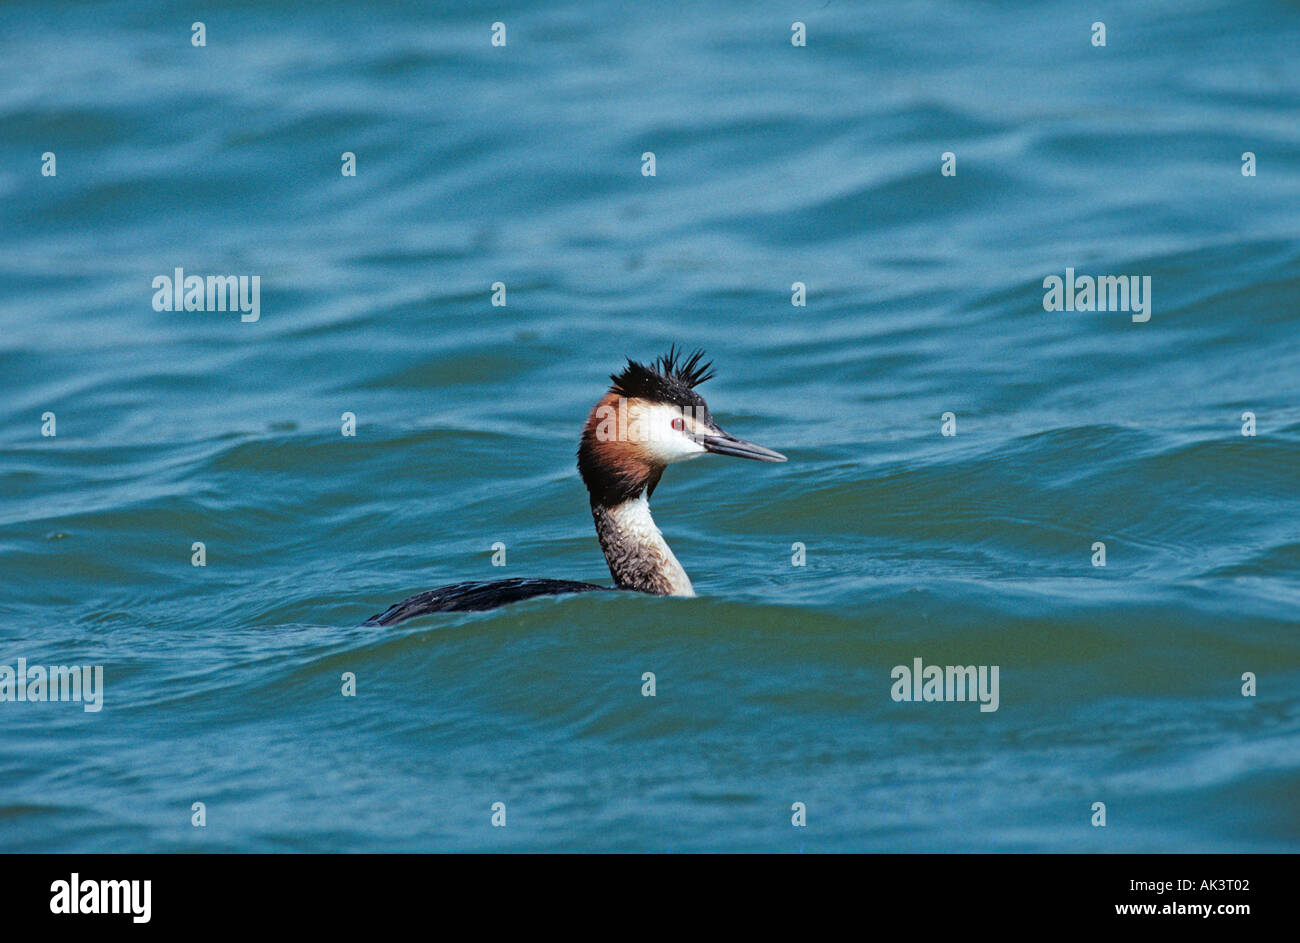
775, 164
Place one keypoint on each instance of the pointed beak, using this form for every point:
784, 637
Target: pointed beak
724, 444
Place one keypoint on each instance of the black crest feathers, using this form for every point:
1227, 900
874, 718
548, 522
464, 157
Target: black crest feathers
670, 379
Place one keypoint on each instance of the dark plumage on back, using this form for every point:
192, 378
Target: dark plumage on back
477, 597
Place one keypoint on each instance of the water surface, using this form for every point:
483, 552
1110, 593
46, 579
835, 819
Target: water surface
774, 165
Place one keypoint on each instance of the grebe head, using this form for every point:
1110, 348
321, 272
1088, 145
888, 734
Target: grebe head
650, 418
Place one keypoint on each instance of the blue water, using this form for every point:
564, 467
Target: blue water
775, 164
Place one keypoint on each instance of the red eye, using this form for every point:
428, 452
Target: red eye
679, 423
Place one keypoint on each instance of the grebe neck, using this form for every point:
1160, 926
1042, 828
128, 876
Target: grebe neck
638, 556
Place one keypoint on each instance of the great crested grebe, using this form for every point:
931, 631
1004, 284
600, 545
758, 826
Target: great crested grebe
650, 418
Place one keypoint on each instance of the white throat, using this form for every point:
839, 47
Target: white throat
638, 556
